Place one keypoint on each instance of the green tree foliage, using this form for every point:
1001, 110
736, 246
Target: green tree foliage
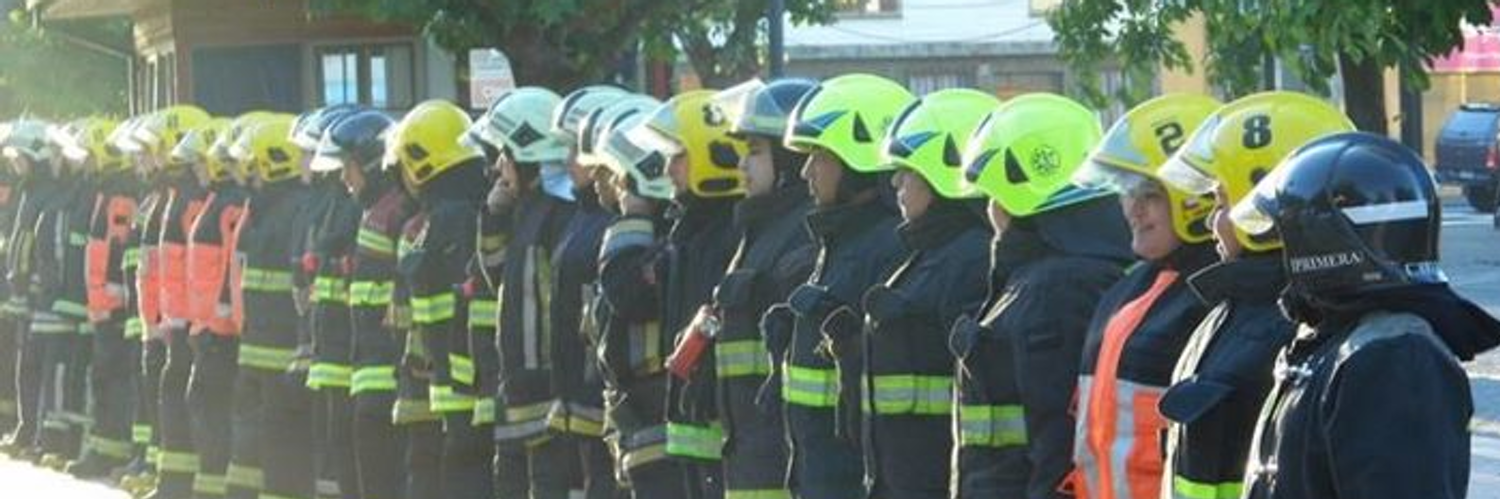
43, 73
564, 43
1315, 40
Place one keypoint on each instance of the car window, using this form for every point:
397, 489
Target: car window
1471, 121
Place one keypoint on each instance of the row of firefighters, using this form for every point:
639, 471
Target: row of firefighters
792, 289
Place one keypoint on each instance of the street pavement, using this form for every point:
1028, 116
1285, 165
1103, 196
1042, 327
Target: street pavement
1471, 257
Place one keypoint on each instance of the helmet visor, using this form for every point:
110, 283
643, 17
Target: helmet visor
1097, 175
329, 156
1256, 213
734, 103
649, 138
1182, 173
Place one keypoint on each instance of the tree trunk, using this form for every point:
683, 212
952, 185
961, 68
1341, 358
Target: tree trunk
1364, 94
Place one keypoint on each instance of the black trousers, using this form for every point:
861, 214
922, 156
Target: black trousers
379, 447
179, 459
210, 401
112, 386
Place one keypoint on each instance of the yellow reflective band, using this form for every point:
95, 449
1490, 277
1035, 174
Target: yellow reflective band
85, 329
408, 411
442, 399
131, 259
177, 462
371, 293
757, 494
327, 289
265, 281
264, 495
810, 387
992, 425
134, 328
530, 412
140, 434
741, 358
484, 411
78, 239
701, 442
153, 455
1188, 489
70, 308
492, 242
245, 477
484, 313
373, 379
328, 375
461, 368
109, 447
643, 456
428, 310
266, 358
375, 242
913, 394
214, 485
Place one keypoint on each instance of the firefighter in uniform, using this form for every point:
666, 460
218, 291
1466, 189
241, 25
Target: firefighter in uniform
330, 243
354, 148
108, 445
1136, 334
31, 158
10, 197
576, 375
692, 161
854, 225
213, 299
1224, 373
1058, 248
144, 280
1370, 399
66, 424
909, 372
447, 175
774, 255
632, 343
272, 428
535, 429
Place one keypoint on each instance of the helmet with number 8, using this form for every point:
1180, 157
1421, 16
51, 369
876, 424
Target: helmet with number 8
1244, 141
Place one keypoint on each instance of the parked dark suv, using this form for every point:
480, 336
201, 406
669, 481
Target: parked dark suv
1468, 155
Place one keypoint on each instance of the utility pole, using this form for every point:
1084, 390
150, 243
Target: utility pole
776, 17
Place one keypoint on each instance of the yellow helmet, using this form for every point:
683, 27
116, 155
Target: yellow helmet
430, 141
1140, 142
222, 149
691, 124
163, 129
268, 149
196, 148
89, 139
1241, 143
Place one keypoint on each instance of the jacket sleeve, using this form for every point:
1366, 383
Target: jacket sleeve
1047, 345
627, 269
1395, 420
434, 272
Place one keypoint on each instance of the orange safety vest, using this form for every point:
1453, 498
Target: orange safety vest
212, 273
115, 213
1118, 446
174, 276
148, 273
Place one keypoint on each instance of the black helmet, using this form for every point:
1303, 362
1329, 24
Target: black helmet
358, 138
1357, 212
309, 127
763, 109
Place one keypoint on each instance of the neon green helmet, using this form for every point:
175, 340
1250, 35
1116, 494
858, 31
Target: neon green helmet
930, 135
849, 117
520, 123
1024, 154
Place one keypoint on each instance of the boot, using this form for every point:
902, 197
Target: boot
91, 467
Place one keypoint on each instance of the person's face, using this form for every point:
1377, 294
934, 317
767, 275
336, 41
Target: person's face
677, 170
1225, 242
578, 173
354, 179
1149, 214
913, 195
759, 167
604, 182
999, 218
508, 177
823, 172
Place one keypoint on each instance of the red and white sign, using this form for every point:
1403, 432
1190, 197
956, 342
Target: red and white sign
489, 76
1480, 52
